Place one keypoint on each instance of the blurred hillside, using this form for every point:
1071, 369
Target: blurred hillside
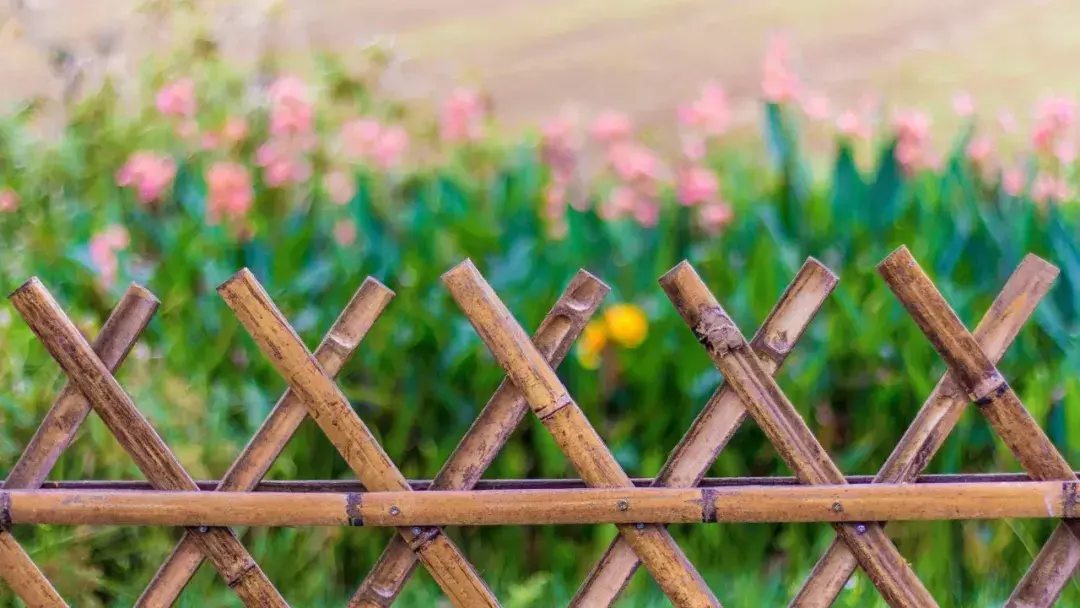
638, 55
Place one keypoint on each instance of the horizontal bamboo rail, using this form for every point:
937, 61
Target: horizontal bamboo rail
856, 506
745, 504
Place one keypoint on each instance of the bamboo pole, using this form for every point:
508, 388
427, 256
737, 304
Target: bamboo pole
787, 431
339, 344
353, 440
485, 438
714, 426
937, 417
119, 333
352, 485
746, 504
569, 427
984, 384
75, 356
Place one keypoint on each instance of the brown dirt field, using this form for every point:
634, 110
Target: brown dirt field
644, 56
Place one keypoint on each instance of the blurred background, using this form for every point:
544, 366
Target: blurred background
174, 142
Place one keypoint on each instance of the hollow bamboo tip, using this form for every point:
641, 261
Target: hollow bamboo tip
141, 293
1040, 266
33, 284
821, 271
375, 286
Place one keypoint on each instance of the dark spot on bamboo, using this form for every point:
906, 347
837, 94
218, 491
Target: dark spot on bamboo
5, 511
1069, 503
708, 505
423, 538
353, 501
993, 395
246, 569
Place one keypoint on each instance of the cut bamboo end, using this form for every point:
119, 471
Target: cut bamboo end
138, 291
30, 285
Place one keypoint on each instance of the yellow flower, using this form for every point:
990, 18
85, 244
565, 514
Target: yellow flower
626, 324
592, 343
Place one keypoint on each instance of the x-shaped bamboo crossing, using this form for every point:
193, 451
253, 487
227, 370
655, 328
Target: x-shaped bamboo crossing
748, 369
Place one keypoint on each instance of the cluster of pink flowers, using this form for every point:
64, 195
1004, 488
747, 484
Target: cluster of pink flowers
701, 121
560, 148
150, 174
637, 168
779, 84
284, 156
1048, 188
1054, 118
103, 249
463, 116
912, 140
370, 141
177, 99
9, 200
229, 192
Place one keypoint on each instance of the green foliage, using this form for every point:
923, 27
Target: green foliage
420, 377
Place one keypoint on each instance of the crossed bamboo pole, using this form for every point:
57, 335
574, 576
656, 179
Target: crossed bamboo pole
92, 377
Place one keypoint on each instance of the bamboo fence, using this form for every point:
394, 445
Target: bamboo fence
857, 507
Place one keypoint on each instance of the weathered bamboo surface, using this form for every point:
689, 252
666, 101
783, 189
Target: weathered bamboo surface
986, 386
260, 453
87, 372
747, 504
717, 423
939, 414
570, 429
56, 431
352, 438
857, 506
497, 421
785, 428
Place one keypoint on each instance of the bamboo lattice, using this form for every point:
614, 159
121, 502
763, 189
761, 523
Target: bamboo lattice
857, 507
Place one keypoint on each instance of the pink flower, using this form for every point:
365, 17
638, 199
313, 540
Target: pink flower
963, 104
697, 185
340, 185
851, 125
345, 232
235, 130
693, 147
611, 127
815, 106
634, 162
291, 113
1013, 182
1065, 152
9, 201
912, 139
229, 191
554, 199
177, 99
710, 112
647, 213
623, 200
1053, 117
390, 148
103, 248
714, 217
1047, 189
149, 173
559, 146
210, 141
979, 149
462, 116
187, 129
778, 83
282, 166
1007, 122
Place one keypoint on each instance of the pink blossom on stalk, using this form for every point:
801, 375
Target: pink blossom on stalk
359, 136
103, 248
710, 113
9, 201
815, 106
1007, 122
633, 162
697, 185
230, 193
778, 83
391, 147
462, 116
291, 112
1048, 189
345, 232
1065, 152
340, 185
282, 166
1053, 117
559, 149
647, 212
621, 201
176, 98
1013, 181
963, 104
149, 173
851, 125
611, 127
210, 141
912, 137
715, 216
235, 130
979, 149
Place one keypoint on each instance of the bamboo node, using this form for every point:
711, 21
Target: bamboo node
1068, 507
5, 511
717, 332
989, 396
352, 509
